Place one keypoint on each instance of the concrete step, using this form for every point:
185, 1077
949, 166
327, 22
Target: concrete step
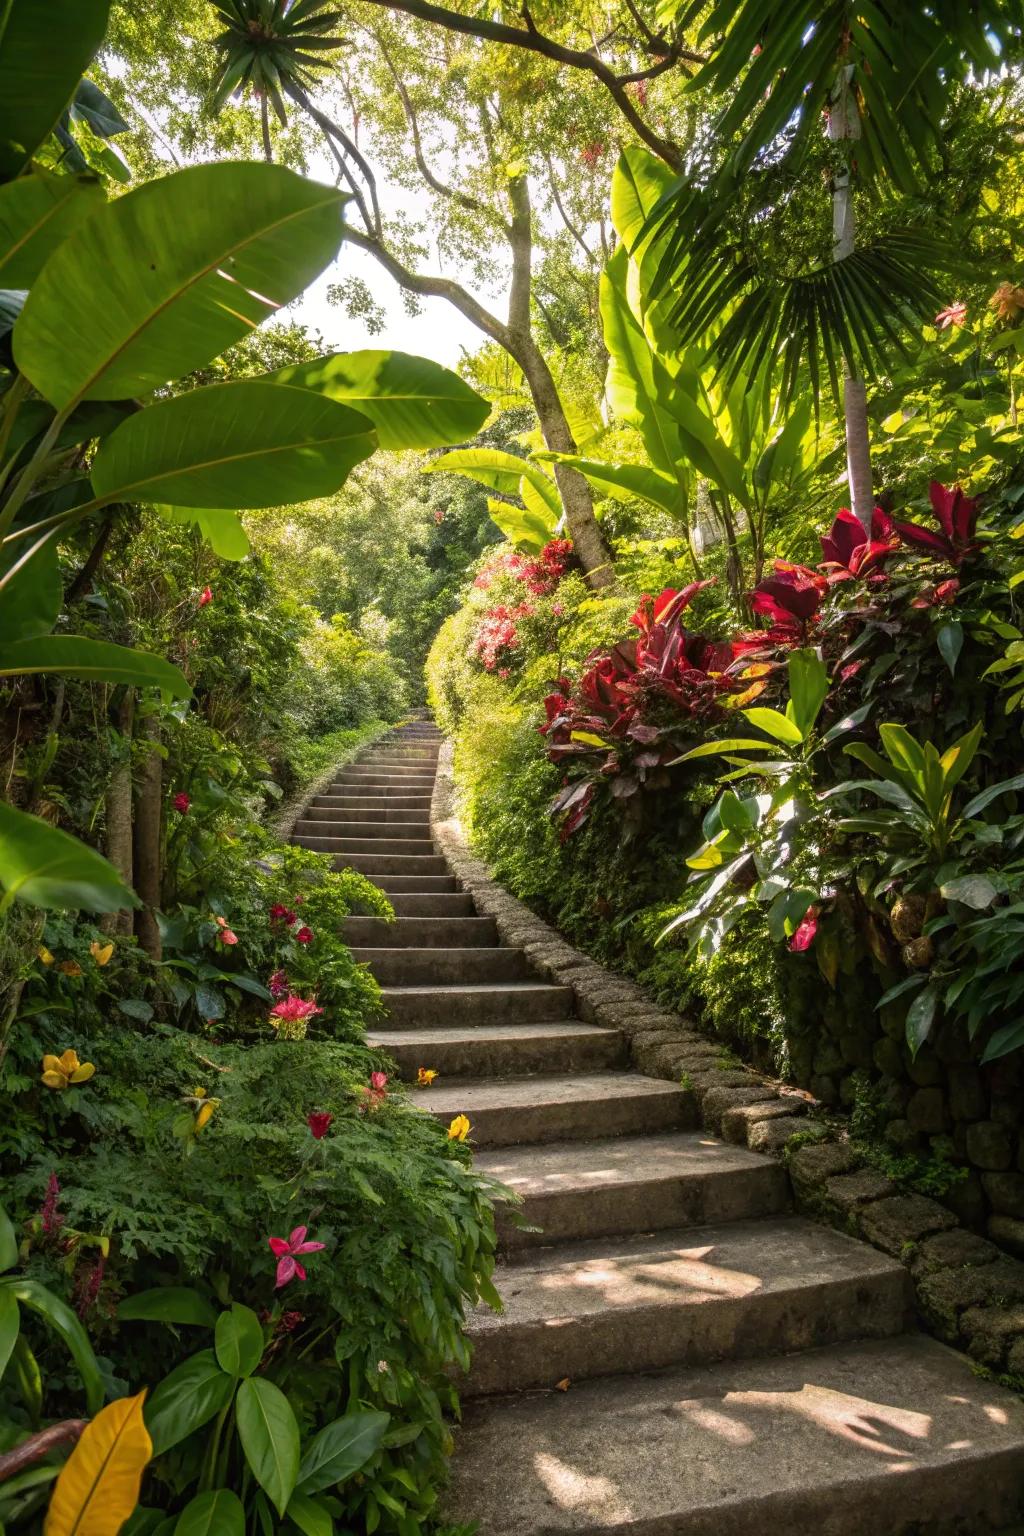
444, 967
414, 865
438, 902
390, 844
428, 1007
332, 825
619, 1305
880, 1438
369, 781
422, 887
633, 1184
389, 773
334, 808
535, 1109
495, 1050
375, 796
434, 930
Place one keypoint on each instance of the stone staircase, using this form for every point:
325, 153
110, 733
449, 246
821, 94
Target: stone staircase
678, 1355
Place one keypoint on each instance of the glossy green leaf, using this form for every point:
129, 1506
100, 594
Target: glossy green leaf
808, 687
37, 212
626, 482
982, 802
921, 1016
8, 1242
545, 506
45, 867
161, 280
32, 599
489, 466
59, 1316
774, 723
950, 640
341, 1449
527, 530
44, 49
310, 1517
10, 1325
270, 1438
413, 402
217, 1513
93, 106
238, 1341
220, 528
168, 1304
188, 1398
245, 444
96, 660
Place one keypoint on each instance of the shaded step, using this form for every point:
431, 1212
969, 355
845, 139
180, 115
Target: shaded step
534, 1109
616, 1305
333, 808
435, 929
633, 1184
415, 865
515, 1003
870, 1439
444, 967
403, 847
328, 825
415, 900
502, 1049
421, 886
390, 773
376, 796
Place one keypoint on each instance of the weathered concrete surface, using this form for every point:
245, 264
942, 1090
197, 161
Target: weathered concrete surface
502, 1050
513, 1002
537, 1109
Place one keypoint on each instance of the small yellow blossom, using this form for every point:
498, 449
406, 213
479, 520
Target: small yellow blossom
101, 953
59, 1072
425, 1076
204, 1107
459, 1128
44, 955
70, 968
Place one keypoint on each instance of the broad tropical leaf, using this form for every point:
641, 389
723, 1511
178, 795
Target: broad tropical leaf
10, 1325
187, 1399
491, 467
31, 601
56, 1313
341, 1449
238, 1342
628, 481
244, 444
527, 530
168, 1304
270, 1438
37, 212
217, 1513
44, 48
98, 1486
412, 402
161, 280
220, 528
45, 867
96, 660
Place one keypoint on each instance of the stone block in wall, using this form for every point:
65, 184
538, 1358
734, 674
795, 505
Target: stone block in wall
944, 1295
1008, 1232
1005, 1109
989, 1145
926, 1111
1005, 1192
952, 1045
772, 1135
738, 1120
991, 1332
716, 1101
810, 1167
966, 1199
901, 1136
848, 1191
903, 1219
926, 1068
824, 1088
954, 1249
966, 1094
856, 1046
828, 1058
887, 1056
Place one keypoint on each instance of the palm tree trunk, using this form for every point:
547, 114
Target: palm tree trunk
268, 153
844, 126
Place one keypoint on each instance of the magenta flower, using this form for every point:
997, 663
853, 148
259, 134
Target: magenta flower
803, 937
181, 803
304, 936
286, 1251
319, 1124
294, 1007
206, 596
278, 984
279, 913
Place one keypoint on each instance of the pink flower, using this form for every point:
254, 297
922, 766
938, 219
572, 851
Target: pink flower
379, 1081
278, 984
376, 1094
206, 596
49, 1216
293, 1008
439, 515
953, 314
181, 803
803, 938
319, 1125
225, 935
281, 914
304, 936
286, 1251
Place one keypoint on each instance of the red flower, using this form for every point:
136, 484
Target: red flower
319, 1125
376, 1094
791, 599
304, 936
225, 935
957, 516
803, 938
286, 1249
278, 984
206, 596
49, 1216
953, 314
281, 914
848, 550
181, 803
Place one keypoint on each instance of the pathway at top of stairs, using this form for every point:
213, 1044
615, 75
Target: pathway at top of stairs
728, 1363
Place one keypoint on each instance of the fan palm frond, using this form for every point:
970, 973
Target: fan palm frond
273, 47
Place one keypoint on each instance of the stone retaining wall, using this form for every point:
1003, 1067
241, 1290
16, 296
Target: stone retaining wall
968, 1291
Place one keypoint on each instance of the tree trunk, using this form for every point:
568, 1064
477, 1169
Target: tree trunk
148, 819
119, 815
844, 126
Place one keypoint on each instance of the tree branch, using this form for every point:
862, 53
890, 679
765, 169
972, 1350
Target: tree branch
434, 288
570, 226
535, 42
333, 131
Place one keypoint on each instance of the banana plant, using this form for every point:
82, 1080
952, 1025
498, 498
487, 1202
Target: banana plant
530, 526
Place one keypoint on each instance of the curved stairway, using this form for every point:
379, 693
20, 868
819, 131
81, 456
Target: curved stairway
678, 1355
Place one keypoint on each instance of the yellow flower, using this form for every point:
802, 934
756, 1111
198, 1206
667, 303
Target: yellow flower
59, 1072
459, 1128
205, 1114
425, 1076
101, 953
44, 955
70, 968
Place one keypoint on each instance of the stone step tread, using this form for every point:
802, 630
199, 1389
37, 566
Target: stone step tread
433, 930
416, 864
382, 835
486, 989
476, 954
472, 1095
456, 1034
866, 1439
398, 883
727, 1263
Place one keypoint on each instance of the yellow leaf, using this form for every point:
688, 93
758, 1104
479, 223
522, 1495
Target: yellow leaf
101, 953
47, 958
70, 968
99, 1485
563, 1385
